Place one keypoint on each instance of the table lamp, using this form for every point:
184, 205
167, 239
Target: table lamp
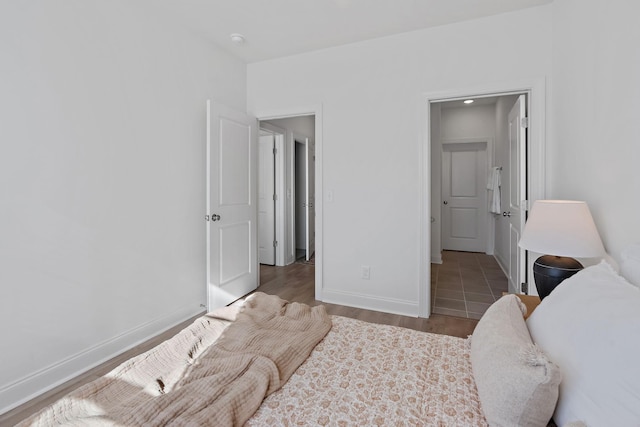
563, 229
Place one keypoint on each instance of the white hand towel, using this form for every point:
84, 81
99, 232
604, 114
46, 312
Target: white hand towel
493, 185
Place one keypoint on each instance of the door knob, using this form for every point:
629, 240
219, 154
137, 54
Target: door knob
506, 213
215, 217
445, 202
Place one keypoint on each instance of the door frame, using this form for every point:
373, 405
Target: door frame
536, 91
312, 110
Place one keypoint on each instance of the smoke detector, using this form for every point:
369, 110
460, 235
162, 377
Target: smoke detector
237, 38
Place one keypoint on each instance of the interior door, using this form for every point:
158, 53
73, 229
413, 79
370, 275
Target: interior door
464, 198
518, 192
266, 200
310, 212
232, 256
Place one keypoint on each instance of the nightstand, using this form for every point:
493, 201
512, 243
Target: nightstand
530, 301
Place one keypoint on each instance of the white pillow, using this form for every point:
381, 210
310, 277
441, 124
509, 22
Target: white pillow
517, 384
630, 264
590, 327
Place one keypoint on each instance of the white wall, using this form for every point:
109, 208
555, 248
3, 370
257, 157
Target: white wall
468, 122
102, 166
596, 89
372, 133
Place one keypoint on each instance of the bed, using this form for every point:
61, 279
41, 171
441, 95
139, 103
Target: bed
315, 369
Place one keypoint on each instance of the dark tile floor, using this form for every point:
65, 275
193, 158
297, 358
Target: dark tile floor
466, 284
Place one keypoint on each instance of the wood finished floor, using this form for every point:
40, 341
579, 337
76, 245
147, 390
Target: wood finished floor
293, 283
296, 283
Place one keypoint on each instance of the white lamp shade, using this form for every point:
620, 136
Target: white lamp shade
562, 228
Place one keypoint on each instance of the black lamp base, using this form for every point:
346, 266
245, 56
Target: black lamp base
550, 270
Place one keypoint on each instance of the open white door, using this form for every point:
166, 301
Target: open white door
310, 212
518, 192
232, 256
266, 200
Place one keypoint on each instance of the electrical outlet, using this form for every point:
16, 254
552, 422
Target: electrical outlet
366, 272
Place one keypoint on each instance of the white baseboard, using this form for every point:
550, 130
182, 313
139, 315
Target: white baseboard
39, 382
368, 302
505, 269
436, 258
502, 263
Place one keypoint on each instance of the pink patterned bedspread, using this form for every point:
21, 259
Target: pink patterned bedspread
376, 375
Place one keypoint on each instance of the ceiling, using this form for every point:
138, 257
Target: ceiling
277, 28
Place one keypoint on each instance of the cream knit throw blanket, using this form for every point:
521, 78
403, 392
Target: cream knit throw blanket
186, 382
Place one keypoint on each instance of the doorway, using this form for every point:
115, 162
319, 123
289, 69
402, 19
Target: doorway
431, 196
480, 163
294, 185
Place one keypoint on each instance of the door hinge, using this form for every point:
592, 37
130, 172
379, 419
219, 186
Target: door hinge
275, 243
524, 122
275, 151
524, 288
275, 197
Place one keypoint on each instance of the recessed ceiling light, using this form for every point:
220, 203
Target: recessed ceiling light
469, 101
237, 38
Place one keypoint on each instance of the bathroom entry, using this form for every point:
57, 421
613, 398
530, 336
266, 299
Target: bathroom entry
469, 140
